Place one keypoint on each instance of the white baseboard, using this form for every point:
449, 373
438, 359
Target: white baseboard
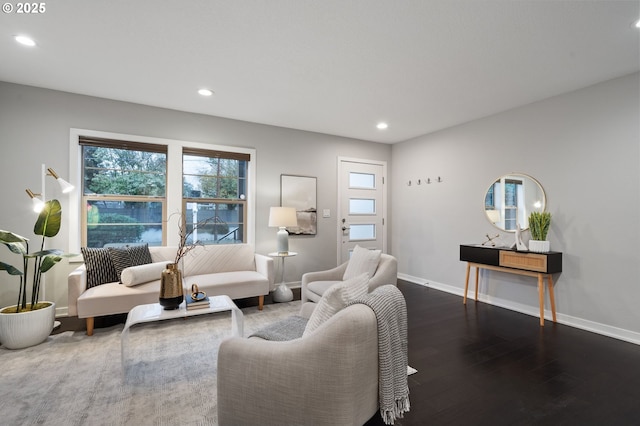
581, 323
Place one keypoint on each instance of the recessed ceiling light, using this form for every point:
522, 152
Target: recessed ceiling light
27, 41
638, 23
382, 126
205, 92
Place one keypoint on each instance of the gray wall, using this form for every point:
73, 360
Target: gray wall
584, 148
34, 129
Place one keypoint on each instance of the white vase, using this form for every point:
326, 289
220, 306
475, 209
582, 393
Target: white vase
28, 328
539, 246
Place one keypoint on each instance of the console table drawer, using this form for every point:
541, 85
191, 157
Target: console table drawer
526, 261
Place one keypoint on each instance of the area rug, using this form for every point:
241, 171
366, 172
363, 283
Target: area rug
169, 377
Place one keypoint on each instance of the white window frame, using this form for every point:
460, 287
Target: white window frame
174, 182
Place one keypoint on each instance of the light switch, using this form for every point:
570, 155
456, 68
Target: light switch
326, 213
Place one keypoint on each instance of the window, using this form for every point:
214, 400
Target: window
214, 191
123, 192
137, 184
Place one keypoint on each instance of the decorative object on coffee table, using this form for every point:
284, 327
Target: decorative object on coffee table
171, 294
196, 299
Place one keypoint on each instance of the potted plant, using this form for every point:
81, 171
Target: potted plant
539, 223
26, 324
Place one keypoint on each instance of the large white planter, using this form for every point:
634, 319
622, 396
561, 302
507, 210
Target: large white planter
539, 246
28, 328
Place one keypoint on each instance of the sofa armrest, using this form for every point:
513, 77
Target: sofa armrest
330, 376
264, 266
77, 283
334, 274
387, 273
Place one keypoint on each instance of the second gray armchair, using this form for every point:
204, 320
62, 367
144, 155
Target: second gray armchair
314, 284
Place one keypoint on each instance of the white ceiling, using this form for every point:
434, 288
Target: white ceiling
330, 66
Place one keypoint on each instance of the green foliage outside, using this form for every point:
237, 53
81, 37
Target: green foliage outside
99, 235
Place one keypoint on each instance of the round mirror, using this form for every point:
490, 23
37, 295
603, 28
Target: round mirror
510, 200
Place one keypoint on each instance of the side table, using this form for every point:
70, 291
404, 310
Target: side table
282, 292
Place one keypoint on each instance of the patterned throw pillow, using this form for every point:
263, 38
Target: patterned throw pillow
336, 298
124, 257
362, 261
100, 268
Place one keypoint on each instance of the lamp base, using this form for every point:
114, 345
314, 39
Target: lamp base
282, 240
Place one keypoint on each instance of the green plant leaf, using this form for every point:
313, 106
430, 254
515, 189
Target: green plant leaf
49, 262
49, 220
10, 269
16, 248
10, 237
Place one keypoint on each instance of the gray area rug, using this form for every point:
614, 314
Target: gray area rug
169, 377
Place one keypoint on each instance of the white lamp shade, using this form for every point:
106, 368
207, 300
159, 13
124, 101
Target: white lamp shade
282, 217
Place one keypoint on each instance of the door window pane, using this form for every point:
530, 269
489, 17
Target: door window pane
362, 180
362, 206
361, 232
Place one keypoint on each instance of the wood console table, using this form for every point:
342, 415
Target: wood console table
537, 265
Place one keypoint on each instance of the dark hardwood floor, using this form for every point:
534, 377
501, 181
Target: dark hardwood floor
484, 365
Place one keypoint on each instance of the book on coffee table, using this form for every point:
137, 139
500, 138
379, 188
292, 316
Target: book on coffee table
195, 304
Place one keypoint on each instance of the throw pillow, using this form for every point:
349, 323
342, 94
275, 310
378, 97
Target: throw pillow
140, 274
124, 257
362, 261
336, 298
100, 269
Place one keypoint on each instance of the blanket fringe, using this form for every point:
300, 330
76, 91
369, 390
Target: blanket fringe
402, 406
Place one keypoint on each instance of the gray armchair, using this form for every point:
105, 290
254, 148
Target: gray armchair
314, 284
327, 377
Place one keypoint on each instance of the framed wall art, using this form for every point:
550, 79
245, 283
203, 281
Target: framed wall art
300, 192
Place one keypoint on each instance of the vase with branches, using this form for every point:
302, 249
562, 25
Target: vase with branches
171, 291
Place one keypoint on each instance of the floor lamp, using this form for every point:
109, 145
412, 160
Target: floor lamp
39, 200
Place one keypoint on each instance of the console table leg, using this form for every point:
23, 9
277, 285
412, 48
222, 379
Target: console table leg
551, 297
541, 298
466, 285
477, 273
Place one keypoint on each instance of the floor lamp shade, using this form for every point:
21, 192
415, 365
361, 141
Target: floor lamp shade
281, 217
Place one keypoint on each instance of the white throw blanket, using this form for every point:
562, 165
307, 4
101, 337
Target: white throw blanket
390, 308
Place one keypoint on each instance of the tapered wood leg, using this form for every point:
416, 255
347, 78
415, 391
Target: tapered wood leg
477, 274
551, 297
466, 285
541, 298
260, 302
90, 326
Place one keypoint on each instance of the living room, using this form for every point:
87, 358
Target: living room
581, 145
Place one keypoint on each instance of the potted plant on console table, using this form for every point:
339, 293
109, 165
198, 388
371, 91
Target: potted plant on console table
539, 223
28, 324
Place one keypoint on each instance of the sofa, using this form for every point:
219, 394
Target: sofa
234, 270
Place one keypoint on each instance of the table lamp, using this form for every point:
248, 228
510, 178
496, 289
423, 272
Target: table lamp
282, 217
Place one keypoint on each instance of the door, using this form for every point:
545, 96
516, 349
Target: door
361, 206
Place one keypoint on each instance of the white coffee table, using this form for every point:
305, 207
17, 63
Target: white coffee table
154, 312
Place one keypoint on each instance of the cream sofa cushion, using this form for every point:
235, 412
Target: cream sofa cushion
221, 258
336, 298
139, 274
362, 261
